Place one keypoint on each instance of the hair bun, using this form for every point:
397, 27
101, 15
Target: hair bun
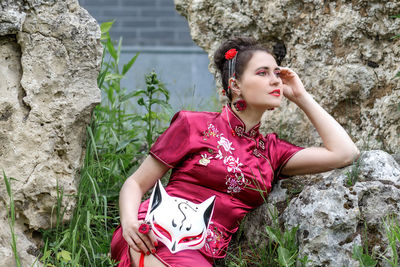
238, 43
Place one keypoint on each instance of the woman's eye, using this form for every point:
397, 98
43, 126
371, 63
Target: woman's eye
262, 73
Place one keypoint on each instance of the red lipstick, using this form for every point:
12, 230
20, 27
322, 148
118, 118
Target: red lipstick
276, 92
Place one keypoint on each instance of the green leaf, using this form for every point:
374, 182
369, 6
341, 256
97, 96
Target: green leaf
113, 76
365, 260
284, 257
396, 36
141, 101
106, 26
111, 49
132, 94
8, 187
122, 145
157, 101
395, 16
64, 255
274, 234
46, 254
127, 66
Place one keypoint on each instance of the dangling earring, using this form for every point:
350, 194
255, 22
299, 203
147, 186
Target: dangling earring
240, 105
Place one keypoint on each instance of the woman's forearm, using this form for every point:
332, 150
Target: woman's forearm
333, 135
136, 185
129, 201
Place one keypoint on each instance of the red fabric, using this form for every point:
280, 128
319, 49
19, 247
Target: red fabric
213, 154
141, 261
120, 249
185, 258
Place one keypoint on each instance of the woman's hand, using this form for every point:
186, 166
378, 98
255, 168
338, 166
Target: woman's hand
145, 243
293, 88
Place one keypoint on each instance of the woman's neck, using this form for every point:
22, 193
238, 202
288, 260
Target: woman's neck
249, 116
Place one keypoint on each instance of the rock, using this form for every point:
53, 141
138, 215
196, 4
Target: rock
50, 55
331, 214
342, 51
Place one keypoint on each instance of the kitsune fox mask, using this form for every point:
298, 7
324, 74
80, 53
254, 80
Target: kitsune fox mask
178, 223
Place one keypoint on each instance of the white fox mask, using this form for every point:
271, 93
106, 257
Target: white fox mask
178, 223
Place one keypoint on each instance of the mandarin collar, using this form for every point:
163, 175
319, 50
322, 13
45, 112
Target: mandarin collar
237, 125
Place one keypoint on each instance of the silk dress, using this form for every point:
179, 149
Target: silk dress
211, 153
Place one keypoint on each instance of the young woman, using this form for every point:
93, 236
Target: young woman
223, 154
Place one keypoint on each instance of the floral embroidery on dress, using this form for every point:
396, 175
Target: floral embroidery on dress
225, 144
235, 182
205, 160
232, 165
214, 239
235, 179
212, 131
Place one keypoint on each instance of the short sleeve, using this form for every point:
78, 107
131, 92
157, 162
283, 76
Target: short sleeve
172, 146
280, 151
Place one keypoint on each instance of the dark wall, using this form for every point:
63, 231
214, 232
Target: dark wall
142, 22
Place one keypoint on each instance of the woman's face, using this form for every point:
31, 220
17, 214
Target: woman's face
260, 85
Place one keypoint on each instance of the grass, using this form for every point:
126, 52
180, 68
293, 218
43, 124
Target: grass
392, 229
279, 249
11, 220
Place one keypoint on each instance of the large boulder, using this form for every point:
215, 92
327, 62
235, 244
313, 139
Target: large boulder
50, 55
334, 214
342, 50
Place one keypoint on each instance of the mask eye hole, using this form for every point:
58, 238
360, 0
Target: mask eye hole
191, 238
162, 231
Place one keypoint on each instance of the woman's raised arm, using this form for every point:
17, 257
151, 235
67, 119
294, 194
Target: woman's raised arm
338, 151
129, 200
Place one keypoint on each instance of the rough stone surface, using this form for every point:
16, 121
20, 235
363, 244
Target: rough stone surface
50, 55
332, 215
342, 51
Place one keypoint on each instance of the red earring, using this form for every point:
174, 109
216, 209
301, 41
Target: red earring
240, 105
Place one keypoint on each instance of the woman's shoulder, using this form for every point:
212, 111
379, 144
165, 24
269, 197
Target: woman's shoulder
193, 117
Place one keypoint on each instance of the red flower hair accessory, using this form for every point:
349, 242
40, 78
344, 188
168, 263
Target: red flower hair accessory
230, 54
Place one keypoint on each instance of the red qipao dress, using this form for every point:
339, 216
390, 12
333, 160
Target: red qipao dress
211, 153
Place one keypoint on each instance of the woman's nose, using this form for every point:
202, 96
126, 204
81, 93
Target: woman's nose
275, 80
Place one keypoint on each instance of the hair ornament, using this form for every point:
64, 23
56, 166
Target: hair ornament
230, 54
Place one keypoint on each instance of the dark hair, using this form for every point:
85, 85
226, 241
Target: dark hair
246, 47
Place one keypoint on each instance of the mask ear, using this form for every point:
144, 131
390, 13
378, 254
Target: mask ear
156, 196
208, 207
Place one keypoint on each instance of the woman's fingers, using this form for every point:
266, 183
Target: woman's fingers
153, 239
142, 241
145, 243
130, 240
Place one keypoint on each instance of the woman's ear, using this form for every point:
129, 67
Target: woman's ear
233, 84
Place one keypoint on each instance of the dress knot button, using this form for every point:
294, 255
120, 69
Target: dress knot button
261, 144
239, 130
256, 153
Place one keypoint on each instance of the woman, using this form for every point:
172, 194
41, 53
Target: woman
223, 154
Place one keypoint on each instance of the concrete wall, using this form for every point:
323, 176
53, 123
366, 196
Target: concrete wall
161, 36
